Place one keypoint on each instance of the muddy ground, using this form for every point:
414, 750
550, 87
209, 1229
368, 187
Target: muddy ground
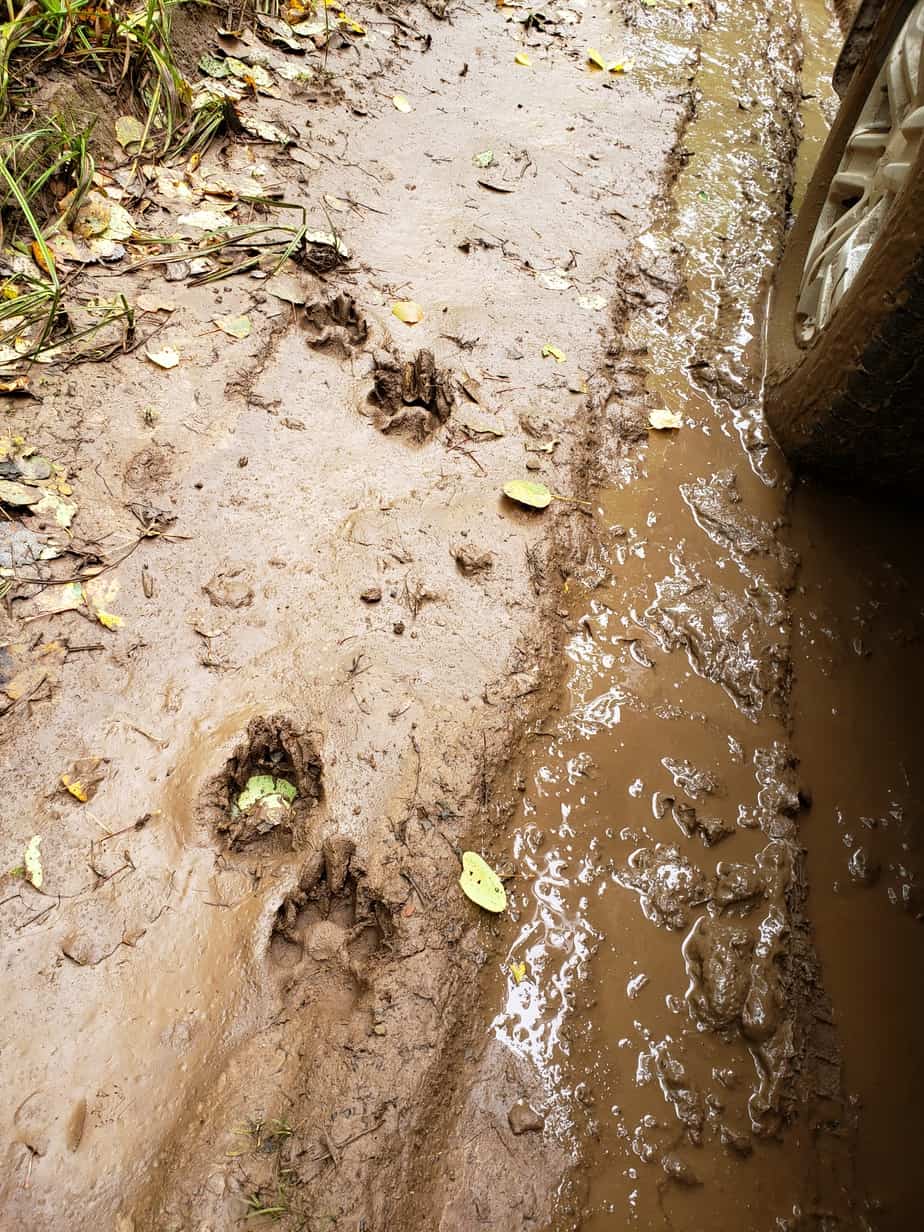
618, 700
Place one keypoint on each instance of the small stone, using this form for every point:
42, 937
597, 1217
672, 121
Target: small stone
398, 627
523, 1119
533, 464
229, 589
372, 594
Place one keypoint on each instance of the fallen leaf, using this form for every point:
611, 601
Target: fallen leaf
266, 131
664, 420
594, 57
166, 357
522, 58
592, 303
481, 884
265, 787
18, 494
408, 311
553, 352
621, 66
108, 620
32, 861
213, 66
61, 511
84, 777
129, 131
236, 327
401, 103
206, 220
39, 256
518, 971
484, 159
154, 303
526, 492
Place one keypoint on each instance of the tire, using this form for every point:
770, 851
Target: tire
846, 398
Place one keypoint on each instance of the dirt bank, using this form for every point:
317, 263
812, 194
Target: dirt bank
313, 575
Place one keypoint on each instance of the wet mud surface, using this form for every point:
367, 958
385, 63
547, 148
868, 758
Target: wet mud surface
677, 718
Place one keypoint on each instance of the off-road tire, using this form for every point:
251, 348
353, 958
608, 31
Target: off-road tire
850, 404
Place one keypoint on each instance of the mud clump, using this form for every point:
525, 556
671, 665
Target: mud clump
272, 747
335, 323
667, 884
412, 396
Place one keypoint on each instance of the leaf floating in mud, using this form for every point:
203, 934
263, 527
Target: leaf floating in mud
481, 884
594, 57
408, 311
166, 357
553, 352
522, 58
32, 861
665, 420
235, 327
518, 971
401, 103
484, 159
526, 492
129, 131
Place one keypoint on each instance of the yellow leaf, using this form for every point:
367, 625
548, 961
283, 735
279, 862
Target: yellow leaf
621, 66
401, 103
527, 492
33, 862
108, 620
75, 787
664, 420
553, 352
235, 327
166, 357
39, 257
522, 58
481, 884
408, 311
518, 971
595, 58
10, 291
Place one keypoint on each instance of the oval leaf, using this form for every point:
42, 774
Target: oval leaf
401, 103
166, 357
32, 860
481, 884
526, 492
522, 58
408, 311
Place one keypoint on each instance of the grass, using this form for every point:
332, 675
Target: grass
125, 44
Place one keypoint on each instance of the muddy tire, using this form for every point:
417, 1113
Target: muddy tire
844, 387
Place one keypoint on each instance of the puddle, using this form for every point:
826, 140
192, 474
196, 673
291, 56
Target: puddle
672, 1002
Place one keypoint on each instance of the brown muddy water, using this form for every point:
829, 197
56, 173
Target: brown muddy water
717, 961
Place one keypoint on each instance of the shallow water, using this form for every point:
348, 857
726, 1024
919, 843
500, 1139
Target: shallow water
663, 979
